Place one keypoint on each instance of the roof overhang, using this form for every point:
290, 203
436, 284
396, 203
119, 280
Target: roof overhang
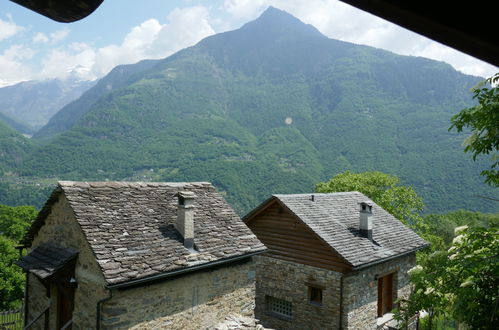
64, 11
263, 205
46, 260
372, 263
471, 29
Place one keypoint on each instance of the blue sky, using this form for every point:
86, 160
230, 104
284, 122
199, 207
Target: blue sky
126, 31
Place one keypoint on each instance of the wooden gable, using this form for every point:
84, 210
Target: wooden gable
288, 238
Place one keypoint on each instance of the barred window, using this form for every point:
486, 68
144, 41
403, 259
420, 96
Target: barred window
278, 306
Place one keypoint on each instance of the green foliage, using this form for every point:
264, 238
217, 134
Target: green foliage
19, 193
268, 108
442, 225
13, 224
461, 282
440, 322
14, 221
13, 149
11, 275
384, 189
483, 120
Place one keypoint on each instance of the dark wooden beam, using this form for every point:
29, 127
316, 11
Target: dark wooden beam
467, 27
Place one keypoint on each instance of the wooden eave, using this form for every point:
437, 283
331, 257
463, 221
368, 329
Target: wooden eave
274, 200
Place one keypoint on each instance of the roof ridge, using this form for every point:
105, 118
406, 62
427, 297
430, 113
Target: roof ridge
354, 192
96, 184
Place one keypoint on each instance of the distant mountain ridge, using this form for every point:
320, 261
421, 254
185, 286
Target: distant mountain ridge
32, 103
273, 107
21, 128
67, 116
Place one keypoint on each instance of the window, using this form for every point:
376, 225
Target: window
279, 307
315, 295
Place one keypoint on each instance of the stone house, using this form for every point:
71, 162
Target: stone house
335, 261
112, 255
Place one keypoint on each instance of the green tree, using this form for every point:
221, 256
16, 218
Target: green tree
443, 225
483, 120
384, 189
461, 282
14, 222
11, 275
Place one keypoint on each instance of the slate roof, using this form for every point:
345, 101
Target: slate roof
129, 226
46, 259
335, 219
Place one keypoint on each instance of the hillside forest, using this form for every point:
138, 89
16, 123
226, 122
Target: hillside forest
271, 108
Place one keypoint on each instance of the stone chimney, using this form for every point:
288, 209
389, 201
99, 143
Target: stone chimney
366, 223
185, 217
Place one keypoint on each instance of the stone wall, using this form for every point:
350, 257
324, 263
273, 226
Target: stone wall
37, 301
360, 291
61, 228
290, 281
190, 301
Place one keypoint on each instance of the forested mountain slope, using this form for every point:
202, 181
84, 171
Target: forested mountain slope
20, 128
13, 148
273, 107
66, 117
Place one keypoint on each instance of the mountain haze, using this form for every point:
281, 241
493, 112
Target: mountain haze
273, 107
15, 125
32, 103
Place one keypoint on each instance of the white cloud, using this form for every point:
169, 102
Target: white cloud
134, 47
40, 37
59, 35
12, 68
246, 9
150, 39
338, 20
62, 63
18, 52
53, 37
9, 29
185, 28
154, 40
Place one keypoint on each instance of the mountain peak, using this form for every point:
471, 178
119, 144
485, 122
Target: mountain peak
278, 21
275, 11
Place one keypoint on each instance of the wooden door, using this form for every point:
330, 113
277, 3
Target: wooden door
65, 305
385, 294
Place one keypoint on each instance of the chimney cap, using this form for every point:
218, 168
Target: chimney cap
184, 196
366, 207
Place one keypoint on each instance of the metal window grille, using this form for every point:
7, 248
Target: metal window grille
279, 306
